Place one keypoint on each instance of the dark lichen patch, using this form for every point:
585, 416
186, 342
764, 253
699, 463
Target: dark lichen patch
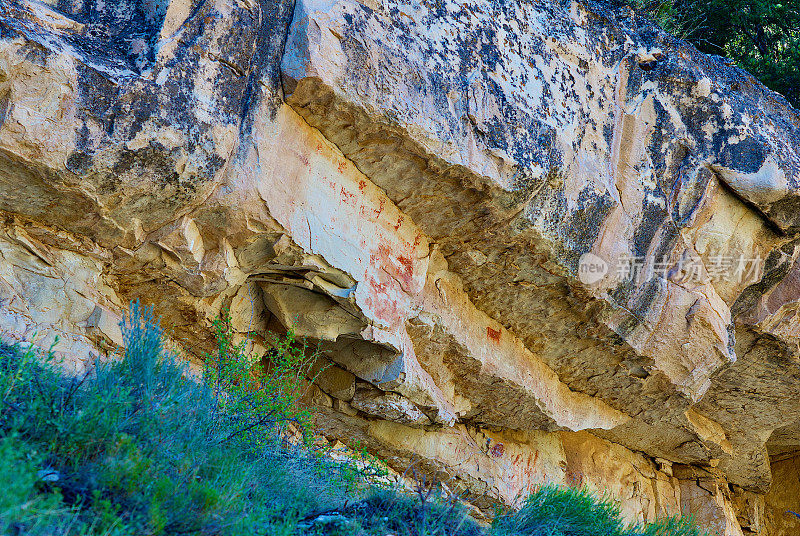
624, 289
79, 162
147, 159
6, 31
99, 98
638, 304
777, 266
653, 218
34, 53
668, 241
155, 166
786, 214
573, 230
123, 31
263, 78
108, 184
143, 104
746, 156
648, 65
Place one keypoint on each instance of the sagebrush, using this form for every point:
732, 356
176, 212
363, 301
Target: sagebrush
139, 446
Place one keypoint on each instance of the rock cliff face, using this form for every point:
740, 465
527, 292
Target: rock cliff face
539, 241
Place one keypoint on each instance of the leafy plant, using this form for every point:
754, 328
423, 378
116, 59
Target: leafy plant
139, 446
248, 404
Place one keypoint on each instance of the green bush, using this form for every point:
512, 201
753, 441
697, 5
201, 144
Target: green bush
140, 447
388, 512
556, 511
247, 405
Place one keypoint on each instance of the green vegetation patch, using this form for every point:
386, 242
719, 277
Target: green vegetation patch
140, 447
761, 36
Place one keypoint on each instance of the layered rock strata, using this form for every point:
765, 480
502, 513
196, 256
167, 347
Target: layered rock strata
536, 242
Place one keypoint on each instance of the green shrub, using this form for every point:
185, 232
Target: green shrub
139, 447
143, 448
24, 501
557, 511
249, 405
389, 512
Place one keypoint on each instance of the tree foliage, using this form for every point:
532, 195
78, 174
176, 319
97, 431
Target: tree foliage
761, 36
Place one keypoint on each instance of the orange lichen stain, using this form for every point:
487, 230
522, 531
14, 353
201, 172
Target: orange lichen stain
493, 334
407, 268
347, 197
371, 213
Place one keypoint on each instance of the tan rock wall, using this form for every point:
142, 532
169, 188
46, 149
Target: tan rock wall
419, 207
782, 499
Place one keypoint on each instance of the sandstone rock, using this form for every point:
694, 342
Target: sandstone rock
711, 506
564, 184
452, 203
334, 380
781, 500
389, 406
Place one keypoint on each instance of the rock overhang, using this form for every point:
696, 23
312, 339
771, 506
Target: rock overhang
431, 187
671, 141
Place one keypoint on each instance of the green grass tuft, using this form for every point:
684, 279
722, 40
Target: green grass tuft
556, 511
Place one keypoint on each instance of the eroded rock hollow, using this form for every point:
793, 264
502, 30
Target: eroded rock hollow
538, 241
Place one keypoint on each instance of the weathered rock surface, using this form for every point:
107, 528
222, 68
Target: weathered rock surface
537, 241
